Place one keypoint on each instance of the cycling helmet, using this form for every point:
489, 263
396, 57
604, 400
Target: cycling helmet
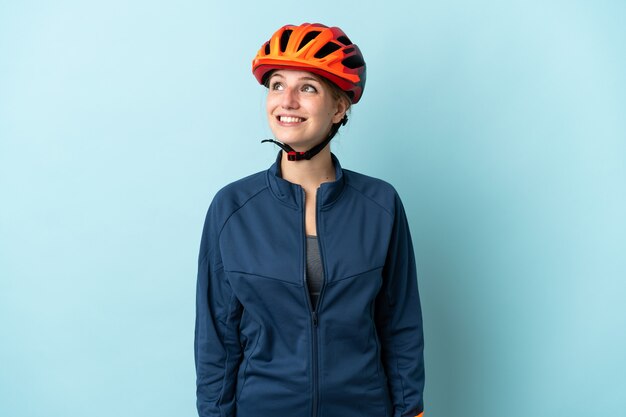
323, 50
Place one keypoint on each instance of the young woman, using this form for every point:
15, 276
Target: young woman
307, 300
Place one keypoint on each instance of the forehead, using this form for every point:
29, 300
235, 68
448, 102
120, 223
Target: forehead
296, 75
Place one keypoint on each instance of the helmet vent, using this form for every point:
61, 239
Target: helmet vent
308, 38
327, 49
344, 40
348, 50
267, 48
284, 39
353, 62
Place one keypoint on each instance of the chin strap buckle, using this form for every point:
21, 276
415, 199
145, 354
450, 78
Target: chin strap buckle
297, 156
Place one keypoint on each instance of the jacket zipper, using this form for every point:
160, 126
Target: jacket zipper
313, 308
319, 298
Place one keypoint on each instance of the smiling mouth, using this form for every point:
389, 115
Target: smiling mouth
290, 119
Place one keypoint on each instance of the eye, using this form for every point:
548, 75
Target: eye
276, 85
308, 88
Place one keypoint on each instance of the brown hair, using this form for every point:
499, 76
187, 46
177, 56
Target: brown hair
338, 93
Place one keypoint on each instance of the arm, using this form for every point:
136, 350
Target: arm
399, 321
216, 341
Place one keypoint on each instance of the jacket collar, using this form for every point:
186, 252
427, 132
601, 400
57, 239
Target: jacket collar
291, 193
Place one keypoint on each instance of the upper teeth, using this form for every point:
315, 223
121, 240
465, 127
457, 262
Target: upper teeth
289, 119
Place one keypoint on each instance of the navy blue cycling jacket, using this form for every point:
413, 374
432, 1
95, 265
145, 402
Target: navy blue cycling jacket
261, 348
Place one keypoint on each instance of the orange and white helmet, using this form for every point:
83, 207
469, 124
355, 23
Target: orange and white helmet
325, 51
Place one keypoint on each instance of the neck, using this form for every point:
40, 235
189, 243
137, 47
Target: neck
311, 172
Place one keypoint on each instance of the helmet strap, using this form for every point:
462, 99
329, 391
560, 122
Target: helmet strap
293, 155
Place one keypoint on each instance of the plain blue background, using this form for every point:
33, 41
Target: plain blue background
501, 124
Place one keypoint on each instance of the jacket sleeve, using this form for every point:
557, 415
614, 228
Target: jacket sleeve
216, 342
399, 321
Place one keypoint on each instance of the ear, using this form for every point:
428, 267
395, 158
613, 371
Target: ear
342, 108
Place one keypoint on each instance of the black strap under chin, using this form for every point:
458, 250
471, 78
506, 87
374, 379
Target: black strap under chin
293, 155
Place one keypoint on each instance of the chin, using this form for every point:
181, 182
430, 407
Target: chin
288, 139
297, 146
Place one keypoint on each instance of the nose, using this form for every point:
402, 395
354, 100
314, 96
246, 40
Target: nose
289, 99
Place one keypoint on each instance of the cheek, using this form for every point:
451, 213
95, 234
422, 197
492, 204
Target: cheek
269, 107
332, 105
268, 104
272, 99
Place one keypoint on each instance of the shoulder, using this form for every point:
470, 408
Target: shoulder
379, 191
235, 195
239, 191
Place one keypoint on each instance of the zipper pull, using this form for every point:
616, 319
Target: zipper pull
314, 319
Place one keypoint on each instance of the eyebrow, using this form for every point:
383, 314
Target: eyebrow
299, 79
